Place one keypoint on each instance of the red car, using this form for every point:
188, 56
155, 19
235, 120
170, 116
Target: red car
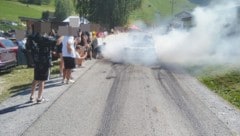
7, 59
8, 44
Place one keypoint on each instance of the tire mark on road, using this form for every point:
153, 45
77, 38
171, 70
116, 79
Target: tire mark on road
175, 91
186, 105
115, 100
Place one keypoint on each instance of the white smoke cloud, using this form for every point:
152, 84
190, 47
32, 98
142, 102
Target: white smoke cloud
214, 38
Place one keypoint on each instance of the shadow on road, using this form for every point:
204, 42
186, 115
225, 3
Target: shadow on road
25, 89
16, 107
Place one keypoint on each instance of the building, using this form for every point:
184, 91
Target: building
182, 20
41, 25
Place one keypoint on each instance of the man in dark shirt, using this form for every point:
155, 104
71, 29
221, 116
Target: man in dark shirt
41, 48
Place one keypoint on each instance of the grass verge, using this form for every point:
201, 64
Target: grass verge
223, 80
15, 82
11, 10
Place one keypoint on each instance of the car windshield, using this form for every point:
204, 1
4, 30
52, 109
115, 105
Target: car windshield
8, 43
141, 40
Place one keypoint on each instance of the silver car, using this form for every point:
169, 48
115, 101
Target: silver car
140, 50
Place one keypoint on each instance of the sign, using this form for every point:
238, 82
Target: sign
74, 22
74, 31
85, 27
63, 30
20, 34
66, 30
45, 27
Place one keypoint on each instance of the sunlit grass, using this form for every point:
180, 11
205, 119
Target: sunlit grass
12, 10
18, 79
226, 85
224, 80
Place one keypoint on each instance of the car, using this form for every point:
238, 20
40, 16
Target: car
7, 59
6, 43
140, 50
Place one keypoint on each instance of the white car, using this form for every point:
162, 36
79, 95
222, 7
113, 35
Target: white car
140, 50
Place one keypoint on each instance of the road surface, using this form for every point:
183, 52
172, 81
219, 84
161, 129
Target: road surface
110, 99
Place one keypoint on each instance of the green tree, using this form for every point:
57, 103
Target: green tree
63, 9
108, 13
46, 2
82, 7
37, 2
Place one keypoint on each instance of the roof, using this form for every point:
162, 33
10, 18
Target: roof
82, 20
183, 14
29, 19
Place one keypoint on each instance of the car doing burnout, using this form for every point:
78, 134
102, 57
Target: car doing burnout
141, 50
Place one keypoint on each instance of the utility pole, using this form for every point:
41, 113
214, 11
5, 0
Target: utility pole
172, 2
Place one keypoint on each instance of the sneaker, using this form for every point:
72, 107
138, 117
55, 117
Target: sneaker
31, 99
41, 100
62, 81
70, 81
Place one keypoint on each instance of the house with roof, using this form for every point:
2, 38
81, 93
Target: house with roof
41, 25
77, 19
182, 20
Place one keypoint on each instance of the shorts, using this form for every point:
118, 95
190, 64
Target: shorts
69, 62
41, 72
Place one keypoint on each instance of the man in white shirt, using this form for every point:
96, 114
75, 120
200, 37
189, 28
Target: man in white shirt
69, 54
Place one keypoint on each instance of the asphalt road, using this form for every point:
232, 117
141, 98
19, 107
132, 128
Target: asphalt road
126, 100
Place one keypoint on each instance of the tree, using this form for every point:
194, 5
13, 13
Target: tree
46, 2
63, 9
108, 13
37, 2
82, 7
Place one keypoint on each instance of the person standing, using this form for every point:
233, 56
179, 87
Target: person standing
85, 42
69, 54
59, 52
94, 45
82, 55
41, 48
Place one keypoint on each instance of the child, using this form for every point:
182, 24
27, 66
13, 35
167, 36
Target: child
81, 54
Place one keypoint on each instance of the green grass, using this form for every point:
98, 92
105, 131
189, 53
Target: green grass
224, 80
19, 78
14, 82
152, 9
11, 10
227, 86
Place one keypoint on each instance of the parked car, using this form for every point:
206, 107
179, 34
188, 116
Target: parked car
6, 43
7, 59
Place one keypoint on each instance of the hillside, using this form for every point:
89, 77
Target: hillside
148, 12
155, 9
11, 10
201, 2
